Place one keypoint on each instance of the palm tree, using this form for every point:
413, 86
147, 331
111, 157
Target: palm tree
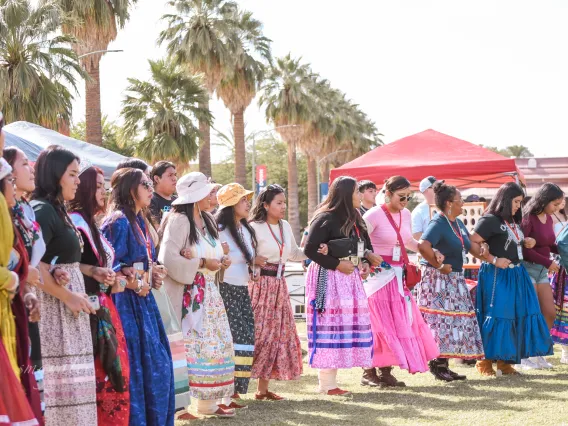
290, 107
198, 37
164, 110
94, 23
240, 84
36, 65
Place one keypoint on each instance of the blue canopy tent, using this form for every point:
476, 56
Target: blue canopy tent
32, 139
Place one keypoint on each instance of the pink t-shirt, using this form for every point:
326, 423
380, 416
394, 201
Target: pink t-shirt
383, 236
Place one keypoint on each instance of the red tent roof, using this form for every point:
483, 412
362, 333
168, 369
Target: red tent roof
431, 153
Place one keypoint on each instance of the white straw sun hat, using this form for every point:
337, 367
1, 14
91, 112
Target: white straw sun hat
192, 187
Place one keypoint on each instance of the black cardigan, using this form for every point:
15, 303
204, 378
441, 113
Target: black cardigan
324, 228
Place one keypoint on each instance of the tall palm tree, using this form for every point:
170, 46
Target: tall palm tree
36, 65
198, 37
289, 106
94, 23
165, 110
251, 51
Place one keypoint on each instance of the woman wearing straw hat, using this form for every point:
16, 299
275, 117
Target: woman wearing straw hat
234, 207
191, 287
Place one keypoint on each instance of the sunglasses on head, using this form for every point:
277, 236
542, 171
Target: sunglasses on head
147, 184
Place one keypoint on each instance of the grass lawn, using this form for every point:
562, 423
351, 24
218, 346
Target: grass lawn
536, 398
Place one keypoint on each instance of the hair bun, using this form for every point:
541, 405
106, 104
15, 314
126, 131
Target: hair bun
439, 186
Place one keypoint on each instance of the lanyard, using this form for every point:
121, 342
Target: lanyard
457, 233
147, 241
514, 230
357, 232
279, 242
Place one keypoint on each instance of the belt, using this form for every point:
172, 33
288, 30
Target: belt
352, 259
271, 270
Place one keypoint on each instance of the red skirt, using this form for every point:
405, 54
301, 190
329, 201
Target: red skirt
14, 406
277, 350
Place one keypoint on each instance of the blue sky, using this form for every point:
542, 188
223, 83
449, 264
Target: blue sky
490, 72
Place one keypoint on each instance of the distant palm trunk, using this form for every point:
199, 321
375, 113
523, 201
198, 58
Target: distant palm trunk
93, 116
240, 148
205, 145
293, 203
312, 187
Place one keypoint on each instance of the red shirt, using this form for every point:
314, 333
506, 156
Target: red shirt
543, 233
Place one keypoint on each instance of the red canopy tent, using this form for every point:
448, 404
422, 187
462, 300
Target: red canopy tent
431, 153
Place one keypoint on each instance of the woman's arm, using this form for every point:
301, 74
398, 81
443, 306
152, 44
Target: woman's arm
530, 254
296, 253
176, 235
320, 233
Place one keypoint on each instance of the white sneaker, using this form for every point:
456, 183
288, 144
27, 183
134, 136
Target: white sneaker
528, 364
564, 357
541, 362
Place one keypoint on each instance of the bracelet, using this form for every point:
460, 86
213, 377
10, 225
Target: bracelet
140, 286
494, 261
440, 267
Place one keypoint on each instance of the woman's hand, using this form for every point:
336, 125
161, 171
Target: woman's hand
260, 260
77, 303
346, 267
439, 257
120, 283
554, 268
186, 253
13, 284
225, 246
32, 304
502, 263
529, 243
364, 270
255, 275
105, 276
374, 258
212, 264
159, 272
34, 277
225, 262
323, 249
145, 289
446, 269
61, 277
484, 251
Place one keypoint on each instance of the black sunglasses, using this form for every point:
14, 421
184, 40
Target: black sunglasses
147, 184
405, 198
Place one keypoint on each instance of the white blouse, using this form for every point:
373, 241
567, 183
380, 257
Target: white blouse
237, 273
268, 247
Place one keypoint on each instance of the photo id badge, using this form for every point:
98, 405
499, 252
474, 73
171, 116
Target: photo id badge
279, 273
520, 251
396, 253
464, 256
360, 248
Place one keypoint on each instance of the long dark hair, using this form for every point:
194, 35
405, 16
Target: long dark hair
226, 220
10, 153
546, 193
125, 183
267, 195
50, 167
339, 202
502, 204
187, 211
85, 203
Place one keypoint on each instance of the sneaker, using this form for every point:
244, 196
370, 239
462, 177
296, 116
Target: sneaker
542, 363
268, 396
337, 392
528, 364
233, 405
564, 357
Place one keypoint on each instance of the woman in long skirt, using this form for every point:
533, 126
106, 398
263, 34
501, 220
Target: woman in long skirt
112, 370
512, 325
234, 207
339, 323
191, 286
25, 305
559, 284
400, 335
277, 350
66, 345
152, 398
442, 294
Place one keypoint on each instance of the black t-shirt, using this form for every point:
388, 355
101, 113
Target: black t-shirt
60, 238
493, 230
444, 237
159, 206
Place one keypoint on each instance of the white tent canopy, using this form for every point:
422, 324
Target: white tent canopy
32, 138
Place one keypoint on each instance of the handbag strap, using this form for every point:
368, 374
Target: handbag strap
405, 258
